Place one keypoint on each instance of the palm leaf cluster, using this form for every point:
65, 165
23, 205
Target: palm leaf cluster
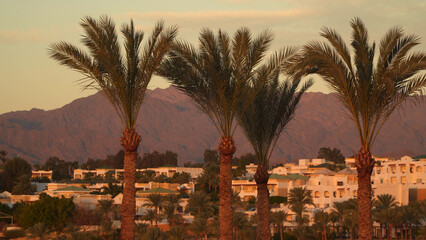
272, 109
216, 75
369, 88
123, 78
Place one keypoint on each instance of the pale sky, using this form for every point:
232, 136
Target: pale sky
30, 79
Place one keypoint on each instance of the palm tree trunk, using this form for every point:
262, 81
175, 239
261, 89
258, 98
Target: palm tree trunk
226, 150
281, 232
381, 232
364, 163
156, 216
261, 177
130, 142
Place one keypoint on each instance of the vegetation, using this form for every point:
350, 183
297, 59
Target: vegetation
216, 77
334, 155
265, 119
52, 211
369, 89
14, 169
123, 80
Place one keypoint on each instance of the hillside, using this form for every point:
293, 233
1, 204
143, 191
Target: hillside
89, 127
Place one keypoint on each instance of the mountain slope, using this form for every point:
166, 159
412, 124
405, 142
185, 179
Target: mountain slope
89, 127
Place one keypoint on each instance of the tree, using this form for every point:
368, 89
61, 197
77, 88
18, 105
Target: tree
211, 156
155, 201
333, 155
382, 210
322, 219
149, 216
170, 207
52, 211
14, 169
198, 227
177, 233
278, 218
105, 208
299, 199
369, 89
112, 189
265, 119
23, 186
215, 77
200, 204
3, 158
123, 80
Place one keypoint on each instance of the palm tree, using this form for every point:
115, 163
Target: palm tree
263, 122
369, 90
105, 207
155, 201
112, 189
278, 218
322, 219
382, 210
338, 211
149, 216
215, 78
177, 233
199, 227
299, 199
239, 222
200, 204
123, 80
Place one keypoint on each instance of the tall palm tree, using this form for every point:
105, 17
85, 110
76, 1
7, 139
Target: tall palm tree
155, 201
215, 77
278, 218
369, 90
263, 122
123, 79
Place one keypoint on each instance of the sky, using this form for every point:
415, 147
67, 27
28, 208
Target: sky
30, 79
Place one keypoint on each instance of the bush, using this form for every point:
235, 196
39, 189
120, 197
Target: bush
277, 200
15, 233
52, 211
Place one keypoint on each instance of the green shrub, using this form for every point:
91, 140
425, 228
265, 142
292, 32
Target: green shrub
15, 233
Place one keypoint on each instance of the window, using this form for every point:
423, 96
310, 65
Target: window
419, 169
403, 179
381, 180
419, 181
403, 168
393, 179
411, 169
334, 194
340, 183
354, 193
379, 171
319, 183
317, 194
326, 194
393, 169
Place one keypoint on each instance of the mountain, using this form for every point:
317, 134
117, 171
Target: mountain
89, 127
